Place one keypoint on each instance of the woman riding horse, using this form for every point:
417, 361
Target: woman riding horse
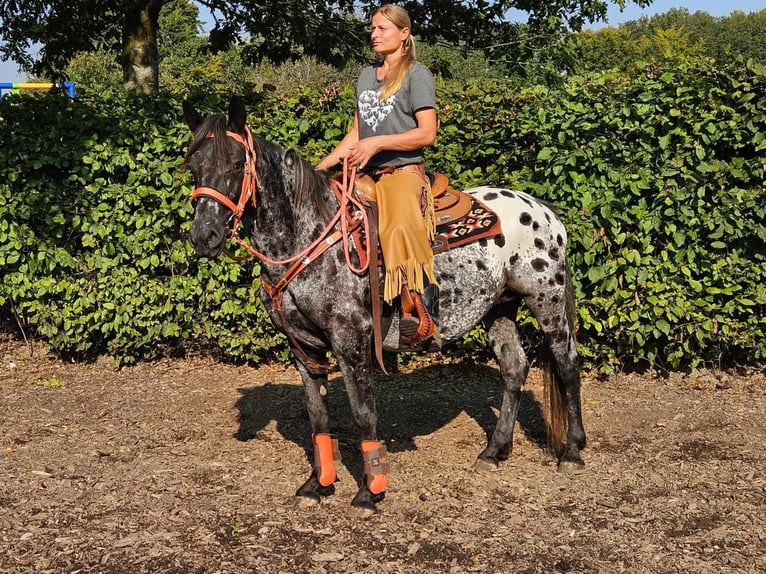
395, 120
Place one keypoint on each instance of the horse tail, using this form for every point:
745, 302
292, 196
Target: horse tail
555, 403
554, 397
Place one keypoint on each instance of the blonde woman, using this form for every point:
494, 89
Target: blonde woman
395, 120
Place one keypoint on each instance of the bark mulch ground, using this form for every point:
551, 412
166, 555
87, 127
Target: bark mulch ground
189, 466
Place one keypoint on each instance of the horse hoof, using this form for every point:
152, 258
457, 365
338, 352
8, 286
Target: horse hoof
306, 501
482, 465
571, 467
360, 513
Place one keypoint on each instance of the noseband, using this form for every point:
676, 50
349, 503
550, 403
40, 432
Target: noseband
250, 181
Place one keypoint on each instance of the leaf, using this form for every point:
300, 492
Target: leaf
166, 178
545, 153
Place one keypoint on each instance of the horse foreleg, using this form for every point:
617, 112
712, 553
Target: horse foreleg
320, 483
355, 362
514, 366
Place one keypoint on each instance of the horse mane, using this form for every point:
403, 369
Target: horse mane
302, 180
214, 125
309, 185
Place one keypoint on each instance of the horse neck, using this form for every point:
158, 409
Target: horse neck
281, 227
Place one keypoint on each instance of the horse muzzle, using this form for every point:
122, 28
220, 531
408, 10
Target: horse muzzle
207, 238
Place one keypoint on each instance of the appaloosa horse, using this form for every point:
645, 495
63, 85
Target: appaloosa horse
285, 205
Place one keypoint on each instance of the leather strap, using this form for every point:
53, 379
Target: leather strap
411, 167
377, 308
276, 294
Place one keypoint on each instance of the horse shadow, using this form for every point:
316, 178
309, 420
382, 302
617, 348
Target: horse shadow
409, 405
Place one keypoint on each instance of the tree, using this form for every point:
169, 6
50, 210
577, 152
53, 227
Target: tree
675, 34
186, 66
64, 28
331, 30
614, 48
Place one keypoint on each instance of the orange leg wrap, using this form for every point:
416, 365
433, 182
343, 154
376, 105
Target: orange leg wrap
325, 454
376, 466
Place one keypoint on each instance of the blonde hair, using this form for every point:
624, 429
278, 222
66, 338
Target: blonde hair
398, 17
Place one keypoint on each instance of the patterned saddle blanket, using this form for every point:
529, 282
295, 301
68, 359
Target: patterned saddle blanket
460, 217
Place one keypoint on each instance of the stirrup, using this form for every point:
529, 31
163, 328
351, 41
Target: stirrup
417, 329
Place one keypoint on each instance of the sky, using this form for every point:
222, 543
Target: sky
9, 71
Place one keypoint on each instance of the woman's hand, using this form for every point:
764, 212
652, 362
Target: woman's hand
363, 150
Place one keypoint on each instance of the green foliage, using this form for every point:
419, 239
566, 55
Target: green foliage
658, 175
52, 383
660, 180
40, 34
614, 48
93, 249
739, 35
296, 76
457, 64
95, 72
674, 35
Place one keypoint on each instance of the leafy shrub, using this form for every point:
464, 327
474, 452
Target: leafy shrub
93, 251
658, 176
660, 179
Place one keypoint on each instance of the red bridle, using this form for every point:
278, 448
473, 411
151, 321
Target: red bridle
250, 183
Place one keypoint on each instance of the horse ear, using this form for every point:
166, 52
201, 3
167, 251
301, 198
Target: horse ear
192, 117
237, 115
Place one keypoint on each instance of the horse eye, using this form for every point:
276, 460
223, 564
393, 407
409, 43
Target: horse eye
239, 165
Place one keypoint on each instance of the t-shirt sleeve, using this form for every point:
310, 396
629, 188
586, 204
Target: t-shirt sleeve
422, 90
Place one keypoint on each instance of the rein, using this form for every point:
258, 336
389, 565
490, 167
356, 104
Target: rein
348, 223
251, 182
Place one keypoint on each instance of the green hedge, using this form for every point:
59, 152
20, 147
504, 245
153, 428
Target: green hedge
658, 175
93, 223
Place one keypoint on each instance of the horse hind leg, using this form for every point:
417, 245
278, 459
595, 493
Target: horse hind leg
554, 310
514, 366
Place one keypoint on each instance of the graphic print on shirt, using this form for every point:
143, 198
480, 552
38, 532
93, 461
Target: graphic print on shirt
372, 110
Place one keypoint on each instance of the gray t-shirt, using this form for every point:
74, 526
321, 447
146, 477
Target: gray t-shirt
396, 114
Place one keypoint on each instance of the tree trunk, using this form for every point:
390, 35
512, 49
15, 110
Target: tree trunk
140, 56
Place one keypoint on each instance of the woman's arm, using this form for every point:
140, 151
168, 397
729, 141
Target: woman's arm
342, 149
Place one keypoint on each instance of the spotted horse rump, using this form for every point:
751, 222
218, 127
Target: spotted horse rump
284, 205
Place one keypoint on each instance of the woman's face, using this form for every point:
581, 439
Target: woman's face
386, 37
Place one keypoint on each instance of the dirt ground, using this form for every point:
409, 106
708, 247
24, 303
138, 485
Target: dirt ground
189, 466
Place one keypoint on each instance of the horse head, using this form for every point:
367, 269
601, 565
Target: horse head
229, 167
221, 159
